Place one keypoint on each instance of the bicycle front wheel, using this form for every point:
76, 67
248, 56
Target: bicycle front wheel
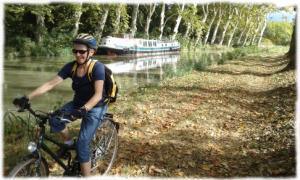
30, 168
104, 147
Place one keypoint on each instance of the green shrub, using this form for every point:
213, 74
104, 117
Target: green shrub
200, 65
266, 42
279, 33
10, 53
53, 44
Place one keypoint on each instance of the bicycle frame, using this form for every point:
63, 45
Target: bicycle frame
42, 146
71, 168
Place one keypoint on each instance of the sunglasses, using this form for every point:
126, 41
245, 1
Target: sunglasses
75, 51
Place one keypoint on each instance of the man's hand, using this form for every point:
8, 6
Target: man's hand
78, 113
22, 103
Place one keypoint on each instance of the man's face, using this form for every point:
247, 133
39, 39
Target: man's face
80, 52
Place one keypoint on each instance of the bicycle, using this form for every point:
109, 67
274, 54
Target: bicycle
103, 150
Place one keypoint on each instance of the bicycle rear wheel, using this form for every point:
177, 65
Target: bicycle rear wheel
28, 168
104, 147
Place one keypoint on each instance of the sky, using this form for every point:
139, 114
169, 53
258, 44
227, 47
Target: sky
281, 16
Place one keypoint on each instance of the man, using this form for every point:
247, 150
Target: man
88, 102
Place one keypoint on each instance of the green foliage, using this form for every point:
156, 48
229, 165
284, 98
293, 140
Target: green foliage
279, 33
54, 44
123, 25
64, 17
46, 29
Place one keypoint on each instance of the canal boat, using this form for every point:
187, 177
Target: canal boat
125, 44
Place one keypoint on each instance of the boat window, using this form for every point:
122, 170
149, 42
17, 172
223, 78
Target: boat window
149, 43
154, 43
145, 43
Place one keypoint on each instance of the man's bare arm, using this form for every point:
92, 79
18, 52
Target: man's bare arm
45, 87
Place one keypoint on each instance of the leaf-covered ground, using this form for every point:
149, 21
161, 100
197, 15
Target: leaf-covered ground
232, 120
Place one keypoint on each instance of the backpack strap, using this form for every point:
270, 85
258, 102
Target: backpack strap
90, 69
73, 71
114, 87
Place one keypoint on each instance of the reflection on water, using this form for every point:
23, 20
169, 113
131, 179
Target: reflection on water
143, 63
23, 75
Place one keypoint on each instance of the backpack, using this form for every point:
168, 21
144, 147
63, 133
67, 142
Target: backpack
110, 85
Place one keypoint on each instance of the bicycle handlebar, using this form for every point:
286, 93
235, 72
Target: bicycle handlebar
46, 116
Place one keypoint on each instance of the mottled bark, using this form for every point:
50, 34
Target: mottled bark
40, 30
149, 16
205, 15
209, 26
243, 32
77, 17
189, 25
134, 19
217, 26
178, 20
247, 35
264, 25
99, 29
162, 20
292, 54
255, 34
118, 19
226, 26
231, 35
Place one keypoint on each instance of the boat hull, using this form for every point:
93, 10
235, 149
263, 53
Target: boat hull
113, 51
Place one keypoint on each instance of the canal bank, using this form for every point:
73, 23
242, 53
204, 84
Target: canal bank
215, 123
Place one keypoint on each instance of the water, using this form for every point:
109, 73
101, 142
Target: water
23, 75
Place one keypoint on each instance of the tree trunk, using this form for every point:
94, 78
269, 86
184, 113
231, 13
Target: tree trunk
209, 27
217, 26
178, 20
134, 19
118, 19
77, 16
225, 29
231, 12
291, 54
240, 37
148, 21
243, 32
231, 35
40, 30
224, 32
101, 24
205, 12
162, 20
189, 25
262, 31
255, 32
247, 35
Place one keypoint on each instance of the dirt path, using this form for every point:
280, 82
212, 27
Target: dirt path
235, 119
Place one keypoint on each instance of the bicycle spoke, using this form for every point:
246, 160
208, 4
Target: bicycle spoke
104, 148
